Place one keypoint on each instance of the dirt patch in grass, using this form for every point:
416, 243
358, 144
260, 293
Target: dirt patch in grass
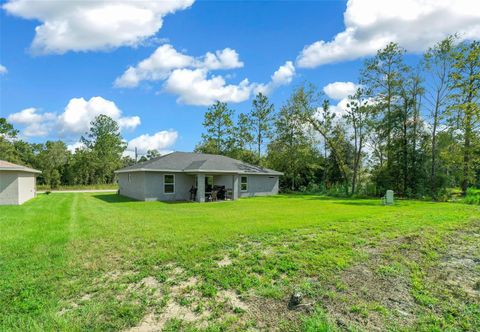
377, 294
365, 296
156, 322
460, 265
266, 313
232, 299
224, 262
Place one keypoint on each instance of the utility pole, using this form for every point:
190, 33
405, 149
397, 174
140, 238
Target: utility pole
136, 154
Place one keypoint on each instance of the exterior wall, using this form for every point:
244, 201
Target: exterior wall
135, 188
259, 185
16, 187
8, 188
154, 187
148, 186
26, 187
223, 180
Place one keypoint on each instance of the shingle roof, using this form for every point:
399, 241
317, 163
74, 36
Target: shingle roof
190, 162
8, 166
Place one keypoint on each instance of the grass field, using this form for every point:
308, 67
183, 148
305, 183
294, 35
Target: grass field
103, 262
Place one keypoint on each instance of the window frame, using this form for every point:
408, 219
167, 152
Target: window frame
243, 183
165, 183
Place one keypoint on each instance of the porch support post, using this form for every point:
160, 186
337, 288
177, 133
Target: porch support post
201, 188
235, 187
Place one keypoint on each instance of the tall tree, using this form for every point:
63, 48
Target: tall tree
261, 117
107, 145
359, 115
409, 119
466, 92
292, 148
242, 140
305, 103
438, 62
219, 129
383, 76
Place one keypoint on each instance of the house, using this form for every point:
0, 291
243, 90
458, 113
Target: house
17, 183
172, 176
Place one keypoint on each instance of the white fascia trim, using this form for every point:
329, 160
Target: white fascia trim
194, 171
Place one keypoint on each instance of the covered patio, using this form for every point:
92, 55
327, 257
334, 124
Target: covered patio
212, 187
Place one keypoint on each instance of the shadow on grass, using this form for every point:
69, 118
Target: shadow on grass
114, 198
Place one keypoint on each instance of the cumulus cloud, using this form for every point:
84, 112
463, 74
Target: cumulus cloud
340, 90
222, 59
36, 124
191, 80
193, 87
165, 59
3, 70
414, 24
156, 67
79, 113
283, 76
74, 120
161, 141
93, 25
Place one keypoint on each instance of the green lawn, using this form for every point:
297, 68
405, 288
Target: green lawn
103, 262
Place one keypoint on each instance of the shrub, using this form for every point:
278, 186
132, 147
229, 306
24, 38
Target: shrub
472, 196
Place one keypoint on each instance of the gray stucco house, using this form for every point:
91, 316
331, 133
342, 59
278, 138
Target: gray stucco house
172, 176
17, 183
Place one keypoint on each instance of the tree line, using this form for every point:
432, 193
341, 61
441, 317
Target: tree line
410, 127
413, 128
94, 163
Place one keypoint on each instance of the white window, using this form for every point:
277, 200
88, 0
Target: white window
169, 184
244, 183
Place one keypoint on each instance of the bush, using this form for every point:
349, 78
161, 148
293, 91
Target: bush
472, 196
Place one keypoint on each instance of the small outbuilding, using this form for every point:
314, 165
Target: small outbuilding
181, 176
17, 183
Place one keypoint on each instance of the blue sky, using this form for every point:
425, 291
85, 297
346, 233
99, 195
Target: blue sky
45, 70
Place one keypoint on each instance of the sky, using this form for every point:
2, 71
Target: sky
156, 66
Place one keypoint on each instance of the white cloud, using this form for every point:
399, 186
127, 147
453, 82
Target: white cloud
3, 70
36, 124
165, 59
161, 141
340, 109
414, 24
93, 25
193, 87
79, 113
29, 116
340, 90
156, 67
222, 59
283, 76
189, 77
74, 120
